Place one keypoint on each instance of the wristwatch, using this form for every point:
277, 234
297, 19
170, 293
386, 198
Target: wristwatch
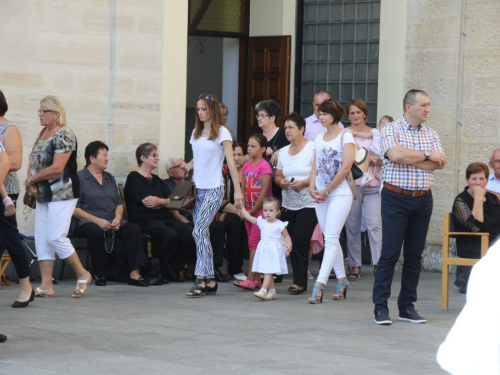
427, 154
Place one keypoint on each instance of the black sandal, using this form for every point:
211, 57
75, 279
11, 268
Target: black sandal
355, 275
198, 290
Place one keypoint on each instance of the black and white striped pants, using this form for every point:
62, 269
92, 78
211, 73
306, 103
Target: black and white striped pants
207, 203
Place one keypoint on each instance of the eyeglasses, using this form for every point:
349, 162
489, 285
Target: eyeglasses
329, 101
259, 116
156, 155
41, 112
497, 162
175, 167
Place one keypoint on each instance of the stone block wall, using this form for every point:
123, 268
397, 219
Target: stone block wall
101, 58
452, 52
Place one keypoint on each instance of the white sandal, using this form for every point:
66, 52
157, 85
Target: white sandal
44, 292
79, 291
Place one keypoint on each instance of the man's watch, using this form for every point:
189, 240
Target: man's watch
427, 154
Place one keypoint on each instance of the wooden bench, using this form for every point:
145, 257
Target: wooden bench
4, 262
448, 233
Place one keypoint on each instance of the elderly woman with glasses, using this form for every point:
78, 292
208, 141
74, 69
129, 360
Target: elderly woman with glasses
267, 113
53, 179
146, 197
100, 210
211, 142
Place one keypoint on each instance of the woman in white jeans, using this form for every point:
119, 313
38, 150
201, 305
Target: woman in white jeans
53, 179
328, 185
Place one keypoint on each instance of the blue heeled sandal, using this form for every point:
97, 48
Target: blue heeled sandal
341, 293
315, 299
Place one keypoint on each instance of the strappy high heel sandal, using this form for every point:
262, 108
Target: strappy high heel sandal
79, 291
314, 299
199, 288
341, 293
211, 290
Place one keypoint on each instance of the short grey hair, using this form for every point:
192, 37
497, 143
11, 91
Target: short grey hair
492, 152
169, 163
411, 97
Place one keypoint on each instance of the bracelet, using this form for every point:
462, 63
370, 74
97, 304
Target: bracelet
30, 181
327, 193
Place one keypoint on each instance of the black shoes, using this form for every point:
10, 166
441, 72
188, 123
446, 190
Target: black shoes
461, 282
410, 315
139, 282
172, 275
382, 317
220, 277
211, 286
100, 281
18, 304
296, 290
3, 338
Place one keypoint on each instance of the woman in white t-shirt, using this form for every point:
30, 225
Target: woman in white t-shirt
333, 159
293, 171
211, 142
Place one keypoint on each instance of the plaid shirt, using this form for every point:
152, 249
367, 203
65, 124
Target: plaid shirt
423, 138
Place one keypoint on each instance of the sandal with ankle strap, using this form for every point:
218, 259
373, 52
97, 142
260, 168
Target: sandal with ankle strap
314, 299
197, 290
341, 293
79, 292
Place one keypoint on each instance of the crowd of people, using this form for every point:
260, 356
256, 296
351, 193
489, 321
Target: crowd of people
287, 188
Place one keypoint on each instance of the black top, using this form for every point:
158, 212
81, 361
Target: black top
464, 221
96, 199
279, 140
137, 188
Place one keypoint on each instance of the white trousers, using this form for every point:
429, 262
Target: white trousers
331, 218
52, 221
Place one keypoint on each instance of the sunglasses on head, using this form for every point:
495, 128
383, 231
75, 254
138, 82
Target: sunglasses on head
207, 97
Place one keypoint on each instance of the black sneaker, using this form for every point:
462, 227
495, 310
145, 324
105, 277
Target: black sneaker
382, 317
411, 316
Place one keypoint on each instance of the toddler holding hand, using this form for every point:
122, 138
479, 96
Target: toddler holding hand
270, 255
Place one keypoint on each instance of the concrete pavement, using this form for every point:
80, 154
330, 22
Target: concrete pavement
120, 329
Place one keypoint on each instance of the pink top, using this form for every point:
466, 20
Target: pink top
253, 182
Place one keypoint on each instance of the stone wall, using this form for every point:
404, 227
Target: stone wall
102, 59
452, 52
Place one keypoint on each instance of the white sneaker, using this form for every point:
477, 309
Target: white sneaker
261, 294
271, 295
241, 277
310, 275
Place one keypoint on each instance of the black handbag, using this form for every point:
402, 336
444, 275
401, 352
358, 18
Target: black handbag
151, 272
183, 196
29, 201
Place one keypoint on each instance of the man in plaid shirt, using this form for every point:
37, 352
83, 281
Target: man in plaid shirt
412, 152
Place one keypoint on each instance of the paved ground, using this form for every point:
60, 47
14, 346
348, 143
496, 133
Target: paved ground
119, 329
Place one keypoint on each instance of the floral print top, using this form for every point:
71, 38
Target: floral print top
65, 186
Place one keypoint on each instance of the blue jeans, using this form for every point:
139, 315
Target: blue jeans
404, 219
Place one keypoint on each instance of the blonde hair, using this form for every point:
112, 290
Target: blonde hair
52, 103
212, 104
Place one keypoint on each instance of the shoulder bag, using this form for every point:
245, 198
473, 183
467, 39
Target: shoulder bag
350, 178
183, 196
361, 162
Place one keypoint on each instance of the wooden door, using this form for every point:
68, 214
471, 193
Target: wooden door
267, 77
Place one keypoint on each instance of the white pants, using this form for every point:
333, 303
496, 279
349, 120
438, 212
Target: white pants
52, 221
331, 218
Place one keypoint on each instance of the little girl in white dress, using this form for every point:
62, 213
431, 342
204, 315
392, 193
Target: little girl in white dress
270, 255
